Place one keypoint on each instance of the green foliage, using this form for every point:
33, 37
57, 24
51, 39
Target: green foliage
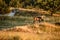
3, 7
7, 2
51, 5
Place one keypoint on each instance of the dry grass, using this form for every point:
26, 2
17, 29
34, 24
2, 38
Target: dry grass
41, 31
22, 36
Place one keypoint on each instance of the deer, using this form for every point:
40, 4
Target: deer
38, 19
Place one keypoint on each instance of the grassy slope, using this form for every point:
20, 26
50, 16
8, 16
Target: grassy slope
47, 32
21, 20
22, 35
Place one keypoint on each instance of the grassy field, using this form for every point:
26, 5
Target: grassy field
22, 20
15, 21
22, 36
46, 30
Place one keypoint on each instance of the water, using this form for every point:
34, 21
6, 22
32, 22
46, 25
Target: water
12, 13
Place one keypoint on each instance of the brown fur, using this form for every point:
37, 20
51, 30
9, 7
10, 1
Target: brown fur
37, 19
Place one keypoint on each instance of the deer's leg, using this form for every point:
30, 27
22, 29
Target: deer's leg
34, 21
42, 20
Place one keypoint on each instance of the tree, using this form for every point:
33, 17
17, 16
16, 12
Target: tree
51, 5
3, 7
7, 2
54, 6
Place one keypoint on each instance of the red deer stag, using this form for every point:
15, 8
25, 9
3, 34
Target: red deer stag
38, 19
